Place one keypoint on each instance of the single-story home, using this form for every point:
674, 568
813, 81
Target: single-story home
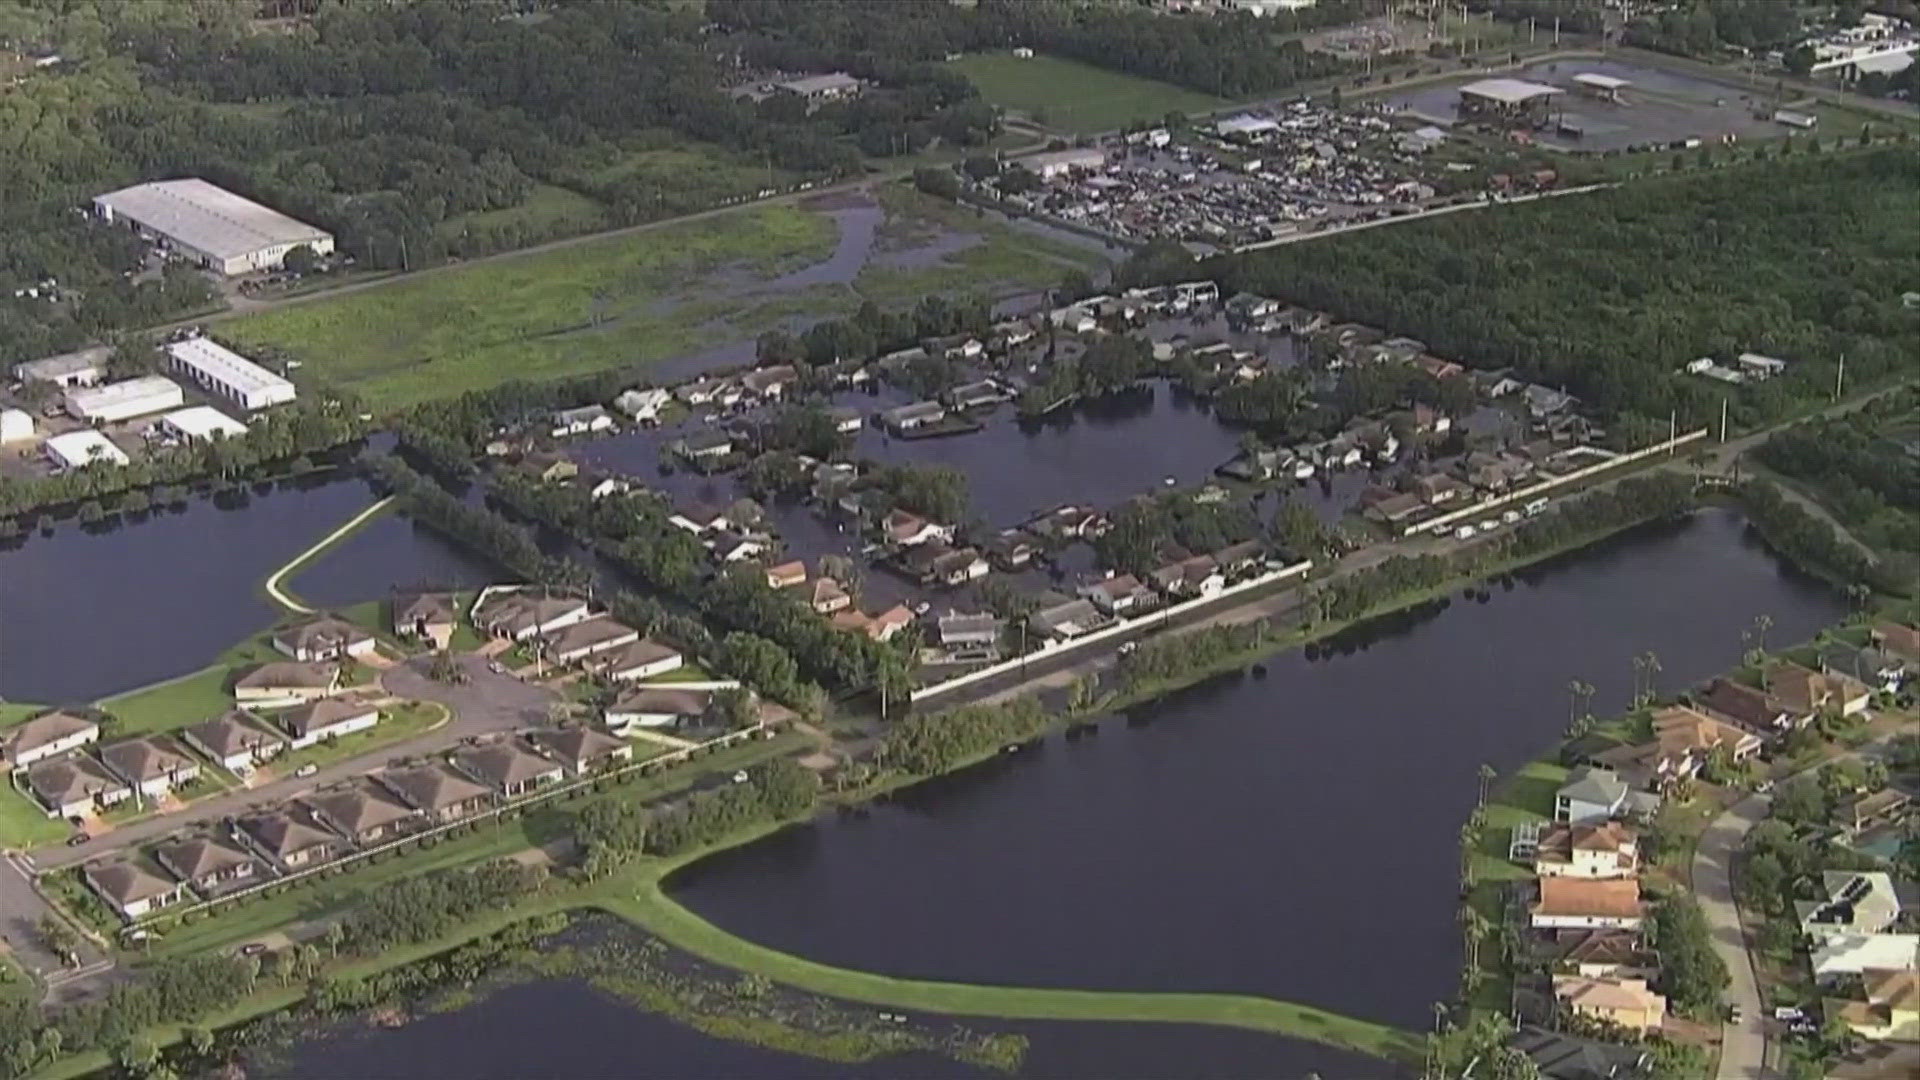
325, 718
1805, 691
1750, 706
787, 575
637, 660
1188, 578
238, 742
1587, 903
657, 706
1118, 595
586, 420
913, 417
576, 642
75, 785
1858, 902
907, 529
285, 682
290, 838
436, 791
131, 889
206, 863
1626, 1003
643, 404
521, 614
1889, 1011
827, 596
1559, 1056
1882, 807
957, 630
582, 750
360, 813
323, 637
48, 735
153, 765
1064, 620
1879, 669
770, 382
426, 616
507, 768
1854, 954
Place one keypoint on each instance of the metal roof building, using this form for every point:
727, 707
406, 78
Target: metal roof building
202, 422
78, 448
83, 368
212, 226
124, 400
228, 374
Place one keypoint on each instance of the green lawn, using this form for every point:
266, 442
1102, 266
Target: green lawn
13, 712
179, 702
1076, 98
23, 824
603, 303
397, 724
683, 673
547, 211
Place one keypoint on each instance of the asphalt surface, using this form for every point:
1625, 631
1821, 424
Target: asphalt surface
1743, 1045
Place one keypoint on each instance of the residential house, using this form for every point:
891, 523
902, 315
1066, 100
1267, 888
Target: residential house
1683, 741
1119, 595
1587, 903
884, 626
981, 394
1544, 401
906, 529
431, 617
1606, 850
1593, 795
208, 864
1558, 1056
1188, 578
153, 765
787, 575
705, 447
582, 750
48, 735
698, 392
1389, 507
572, 644
1750, 706
586, 420
1496, 384
75, 786
657, 706
520, 614
1012, 549
1890, 1010
642, 659
914, 417
1899, 639
1604, 954
1624, 1003
737, 547
1879, 669
325, 719
770, 383
701, 518
360, 812
507, 768
1884, 807
960, 631
643, 404
290, 838
1435, 489
846, 421
323, 637
1856, 954
1063, 619
1858, 902
550, 468
1239, 558
954, 568
131, 889
826, 596
1806, 692
285, 682
238, 741
436, 791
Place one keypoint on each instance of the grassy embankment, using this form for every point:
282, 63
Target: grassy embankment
1076, 98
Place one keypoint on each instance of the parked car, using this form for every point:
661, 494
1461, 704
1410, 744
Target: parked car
306, 770
77, 839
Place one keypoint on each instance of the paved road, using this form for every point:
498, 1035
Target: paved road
1743, 1045
485, 704
21, 911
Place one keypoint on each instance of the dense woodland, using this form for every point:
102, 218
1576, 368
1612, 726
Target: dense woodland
1608, 294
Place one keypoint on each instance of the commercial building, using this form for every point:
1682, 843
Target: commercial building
816, 89
77, 449
1246, 126
16, 425
83, 368
202, 422
211, 226
1604, 87
124, 400
227, 374
1063, 162
1507, 99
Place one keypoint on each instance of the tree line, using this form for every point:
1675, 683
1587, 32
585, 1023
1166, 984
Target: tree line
780, 790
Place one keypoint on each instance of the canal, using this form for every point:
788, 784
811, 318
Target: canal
1293, 835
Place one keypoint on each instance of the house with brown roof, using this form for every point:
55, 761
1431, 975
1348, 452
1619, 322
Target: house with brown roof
657, 706
48, 735
1187, 578
827, 596
1607, 850
1883, 807
1683, 740
1888, 1010
1576, 903
1012, 549
637, 660
1806, 692
1749, 705
75, 785
131, 888
1119, 595
884, 626
323, 637
325, 719
238, 741
436, 791
208, 864
957, 567
787, 575
1897, 638
521, 614
285, 682
1437, 488
431, 617
289, 838
572, 644
582, 750
1597, 954
904, 529
1624, 1003
152, 765
359, 812
507, 768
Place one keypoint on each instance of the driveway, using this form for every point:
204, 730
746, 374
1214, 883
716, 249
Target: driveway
487, 703
1743, 1046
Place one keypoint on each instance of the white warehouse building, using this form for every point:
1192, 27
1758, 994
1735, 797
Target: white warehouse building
212, 226
202, 422
76, 449
124, 400
227, 374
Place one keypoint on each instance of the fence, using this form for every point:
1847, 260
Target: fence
1531, 490
1108, 633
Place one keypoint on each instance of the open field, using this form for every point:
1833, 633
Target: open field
588, 307
23, 824
547, 211
1073, 97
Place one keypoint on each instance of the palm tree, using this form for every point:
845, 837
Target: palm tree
1761, 624
1486, 781
1653, 671
1579, 706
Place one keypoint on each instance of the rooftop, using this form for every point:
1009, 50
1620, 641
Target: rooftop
1605, 897
128, 882
223, 365
96, 398
44, 729
204, 422
208, 218
1508, 91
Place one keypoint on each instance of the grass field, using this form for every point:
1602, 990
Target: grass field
546, 211
188, 699
601, 304
1076, 98
23, 824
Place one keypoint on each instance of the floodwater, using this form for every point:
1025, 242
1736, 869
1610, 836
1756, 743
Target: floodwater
566, 1028
114, 610
1259, 833
1658, 106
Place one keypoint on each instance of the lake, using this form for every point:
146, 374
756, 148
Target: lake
1259, 835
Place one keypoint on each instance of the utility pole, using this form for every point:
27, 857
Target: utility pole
1840, 377
1673, 430
1723, 419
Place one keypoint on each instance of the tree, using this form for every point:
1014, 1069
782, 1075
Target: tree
335, 935
300, 259
198, 1039
59, 938
137, 1055
1579, 709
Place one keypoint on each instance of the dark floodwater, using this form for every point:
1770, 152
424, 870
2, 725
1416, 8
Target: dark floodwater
1293, 836
156, 598
569, 1030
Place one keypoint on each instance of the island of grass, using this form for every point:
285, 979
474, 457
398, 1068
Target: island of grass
1073, 97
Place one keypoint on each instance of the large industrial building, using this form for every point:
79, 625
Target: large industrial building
1063, 162
124, 400
77, 449
84, 368
202, 422
212, 226
1507, 100
225, 373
